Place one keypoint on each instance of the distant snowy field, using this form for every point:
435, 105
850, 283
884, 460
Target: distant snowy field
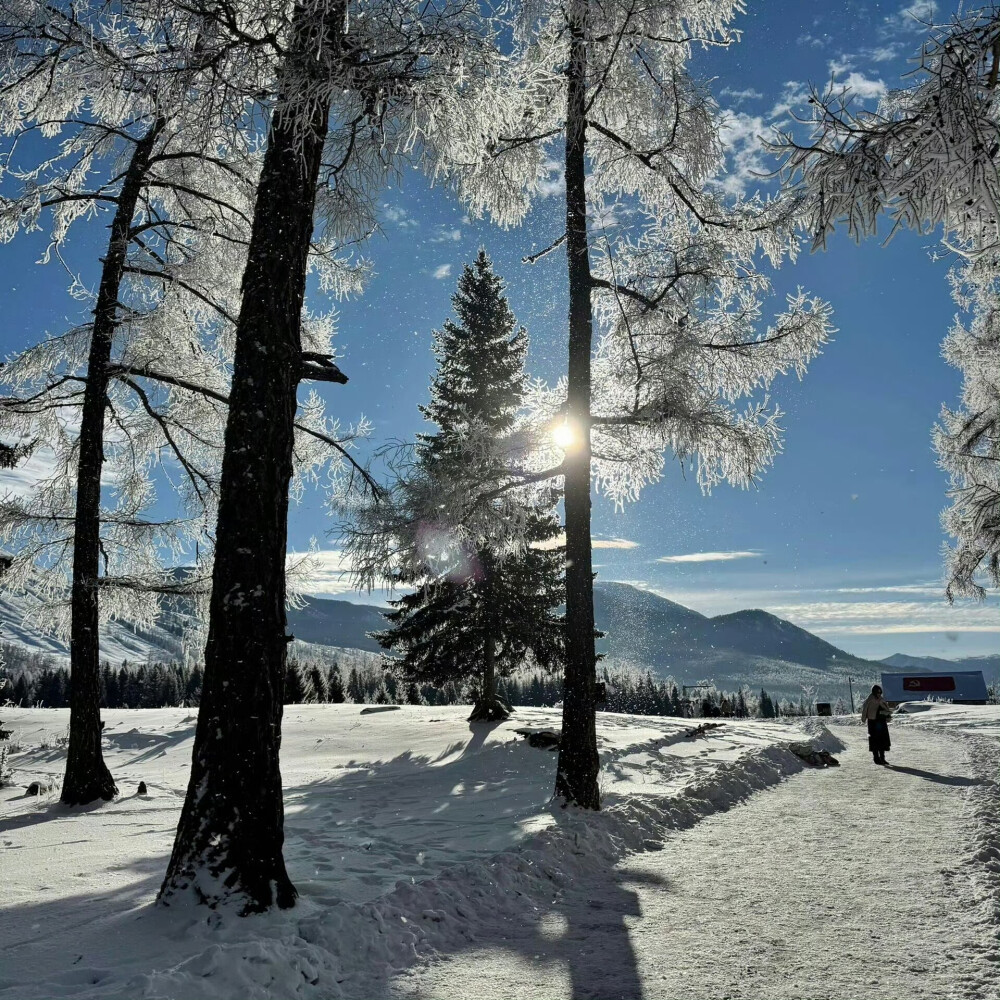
408, 833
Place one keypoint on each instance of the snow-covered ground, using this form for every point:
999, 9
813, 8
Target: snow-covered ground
431, 863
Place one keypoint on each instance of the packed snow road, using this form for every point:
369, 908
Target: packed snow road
851, 882
432, 863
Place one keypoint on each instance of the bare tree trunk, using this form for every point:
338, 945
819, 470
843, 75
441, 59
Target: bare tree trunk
576, 780
230, 836
87, 776
489, 708
490, 670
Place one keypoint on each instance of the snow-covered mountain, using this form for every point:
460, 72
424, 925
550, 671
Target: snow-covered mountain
748, 647
989, 665
650, 629
119, 640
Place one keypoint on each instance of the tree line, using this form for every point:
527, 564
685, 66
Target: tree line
175, 684
233, 148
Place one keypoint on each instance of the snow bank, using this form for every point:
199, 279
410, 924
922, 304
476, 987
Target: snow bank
977, 728
405, 831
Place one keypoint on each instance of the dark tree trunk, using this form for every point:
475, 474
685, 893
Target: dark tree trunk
490, 670
87, 776
489, 708
230, 835
576, 779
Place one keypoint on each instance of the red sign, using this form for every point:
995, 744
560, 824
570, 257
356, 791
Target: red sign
928, 683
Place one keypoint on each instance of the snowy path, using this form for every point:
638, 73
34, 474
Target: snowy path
822, 887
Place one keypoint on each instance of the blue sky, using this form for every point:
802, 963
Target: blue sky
842, 536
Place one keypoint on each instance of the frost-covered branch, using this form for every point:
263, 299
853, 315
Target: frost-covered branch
926, 158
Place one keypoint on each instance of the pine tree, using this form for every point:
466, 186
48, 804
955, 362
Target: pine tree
355, 689
768, 709
293, 690
316, 684
477, 612
335, 686
192, 689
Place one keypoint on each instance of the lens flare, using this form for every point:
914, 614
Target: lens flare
564, 435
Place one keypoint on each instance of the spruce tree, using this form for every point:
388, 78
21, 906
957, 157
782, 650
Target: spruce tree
317, 688
335, 686
477, 613
293, 692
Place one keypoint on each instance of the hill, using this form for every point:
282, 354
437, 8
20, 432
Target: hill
746, 647
989, 665
327, 622
749, 647
120, 640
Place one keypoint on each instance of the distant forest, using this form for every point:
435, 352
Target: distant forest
31, 679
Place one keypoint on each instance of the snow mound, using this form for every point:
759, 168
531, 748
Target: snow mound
349, 950
407, 833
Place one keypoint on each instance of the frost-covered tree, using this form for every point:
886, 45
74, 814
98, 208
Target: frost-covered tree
967, 440
353, 91
659, 266
139, 393
926, 158
78, 83
475, 613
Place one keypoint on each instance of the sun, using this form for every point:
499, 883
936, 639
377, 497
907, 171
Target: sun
564, 435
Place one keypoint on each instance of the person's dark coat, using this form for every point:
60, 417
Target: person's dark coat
876, 713
878, 735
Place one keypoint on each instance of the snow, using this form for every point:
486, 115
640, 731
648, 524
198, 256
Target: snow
839, 883
430, 861
120, 640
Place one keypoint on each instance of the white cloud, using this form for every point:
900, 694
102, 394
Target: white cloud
911, 18
613, 543
749, 94
794, 96
878, 617
399, 216
596, 543
924, 589
883, 53
863, 86
447, 235
41, 465
746, 160
326, 571
442, 271
840, 65
550, 181
25, 477
700, 557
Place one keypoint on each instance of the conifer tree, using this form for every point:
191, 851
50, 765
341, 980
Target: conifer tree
476, 612
316, 689
662, 335
335, 686
293, 690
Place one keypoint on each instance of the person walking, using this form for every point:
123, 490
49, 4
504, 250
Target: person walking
876, 712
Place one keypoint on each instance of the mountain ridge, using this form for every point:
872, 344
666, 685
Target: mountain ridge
989, 664
749, 647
